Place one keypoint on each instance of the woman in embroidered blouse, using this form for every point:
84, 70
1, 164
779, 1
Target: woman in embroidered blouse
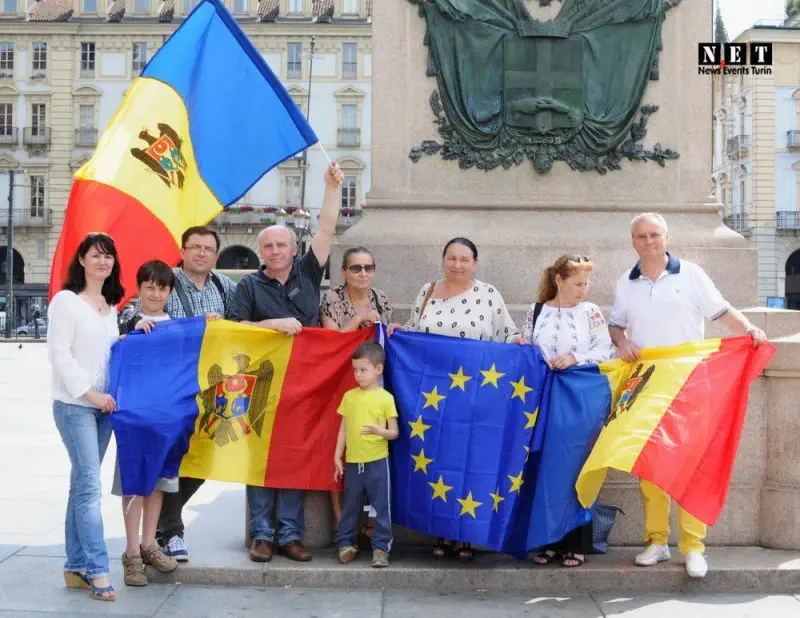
82, 329
568, 331
460, 306
353, 305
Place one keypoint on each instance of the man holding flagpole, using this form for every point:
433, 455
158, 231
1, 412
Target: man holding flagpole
663, 301
283, 295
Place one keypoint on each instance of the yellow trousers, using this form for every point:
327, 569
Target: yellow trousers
656, 521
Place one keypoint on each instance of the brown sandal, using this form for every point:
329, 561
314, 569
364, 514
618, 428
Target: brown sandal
465, 553
443, 548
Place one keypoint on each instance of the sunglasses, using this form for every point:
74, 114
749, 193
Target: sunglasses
579, 258
357, 268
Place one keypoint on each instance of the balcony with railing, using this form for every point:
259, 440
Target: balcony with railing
246, 215
9, 136
349, 70
28, 217
793, 139
738, 146
348, 137
86, 138
787, 220
36, 136
738, 222
347, 218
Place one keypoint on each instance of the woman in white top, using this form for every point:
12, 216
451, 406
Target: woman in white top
81, 330
460, 306
568, 331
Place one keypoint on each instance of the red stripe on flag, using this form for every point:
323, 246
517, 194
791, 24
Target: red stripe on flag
138, 234
691, 453
306, 424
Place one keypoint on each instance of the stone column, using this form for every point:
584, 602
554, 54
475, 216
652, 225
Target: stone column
780, 496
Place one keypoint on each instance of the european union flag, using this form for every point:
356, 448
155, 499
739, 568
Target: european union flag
491, 441
470, 416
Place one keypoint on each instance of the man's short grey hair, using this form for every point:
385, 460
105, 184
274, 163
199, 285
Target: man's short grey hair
651, 217
292, 235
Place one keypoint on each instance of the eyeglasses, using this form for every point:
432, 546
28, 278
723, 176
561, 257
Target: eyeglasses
357, 268
579, 258
200, 249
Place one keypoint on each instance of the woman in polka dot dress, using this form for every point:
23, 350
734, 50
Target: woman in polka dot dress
461, 306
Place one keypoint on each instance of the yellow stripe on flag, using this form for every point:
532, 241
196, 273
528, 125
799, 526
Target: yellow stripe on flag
137, 154
240, 372
642, 392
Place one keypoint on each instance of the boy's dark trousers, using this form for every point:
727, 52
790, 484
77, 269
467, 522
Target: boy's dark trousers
171, 522
372, 478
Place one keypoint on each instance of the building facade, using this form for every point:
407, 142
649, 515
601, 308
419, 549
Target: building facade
756, 160
65, 66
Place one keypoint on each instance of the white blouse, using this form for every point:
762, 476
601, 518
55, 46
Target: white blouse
79, 342
479, 313
580, 330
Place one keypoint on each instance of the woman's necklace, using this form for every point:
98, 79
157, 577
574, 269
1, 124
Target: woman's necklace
99, 305
362, 305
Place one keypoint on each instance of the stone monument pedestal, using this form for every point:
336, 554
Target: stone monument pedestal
522, 221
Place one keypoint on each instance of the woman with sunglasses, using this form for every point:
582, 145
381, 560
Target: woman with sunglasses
353, 305
568, 331
82, 321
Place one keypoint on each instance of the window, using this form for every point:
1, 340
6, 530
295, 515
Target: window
349, 192
9, 6
6, 59
349, 7
39, 58
139, 57
6, 119
349, 60
293, 190
141, 7
41, 254
349, 116
240, 6
38, 119
90, 6
86, 116
294, 69
37, 196
296, 6
87, 59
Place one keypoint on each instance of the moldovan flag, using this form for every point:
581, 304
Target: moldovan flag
206, 119
250, 405
676, 420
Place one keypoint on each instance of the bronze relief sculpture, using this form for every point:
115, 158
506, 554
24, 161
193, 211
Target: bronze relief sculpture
511, 87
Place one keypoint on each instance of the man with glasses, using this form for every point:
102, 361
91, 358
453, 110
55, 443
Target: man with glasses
284, 296
198, 291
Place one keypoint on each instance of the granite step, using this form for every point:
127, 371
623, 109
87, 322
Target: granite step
732, 570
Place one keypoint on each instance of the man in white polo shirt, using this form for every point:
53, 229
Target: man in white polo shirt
664, 301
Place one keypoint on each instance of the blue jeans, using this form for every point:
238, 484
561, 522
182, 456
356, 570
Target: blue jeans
372, 479
288, 507
85, 432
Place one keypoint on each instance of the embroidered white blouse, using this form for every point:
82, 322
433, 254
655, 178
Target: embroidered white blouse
479, 313
580, 330
79, 342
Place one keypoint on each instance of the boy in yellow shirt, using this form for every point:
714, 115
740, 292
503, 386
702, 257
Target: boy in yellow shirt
369, 421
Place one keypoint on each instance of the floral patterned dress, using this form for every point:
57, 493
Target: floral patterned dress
337, 306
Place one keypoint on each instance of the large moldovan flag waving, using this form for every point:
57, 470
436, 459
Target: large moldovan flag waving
206, 119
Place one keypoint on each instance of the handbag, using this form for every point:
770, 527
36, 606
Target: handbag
603, 517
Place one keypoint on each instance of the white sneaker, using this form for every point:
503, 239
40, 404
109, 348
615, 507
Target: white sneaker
696, 565
653, 555
176, 548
